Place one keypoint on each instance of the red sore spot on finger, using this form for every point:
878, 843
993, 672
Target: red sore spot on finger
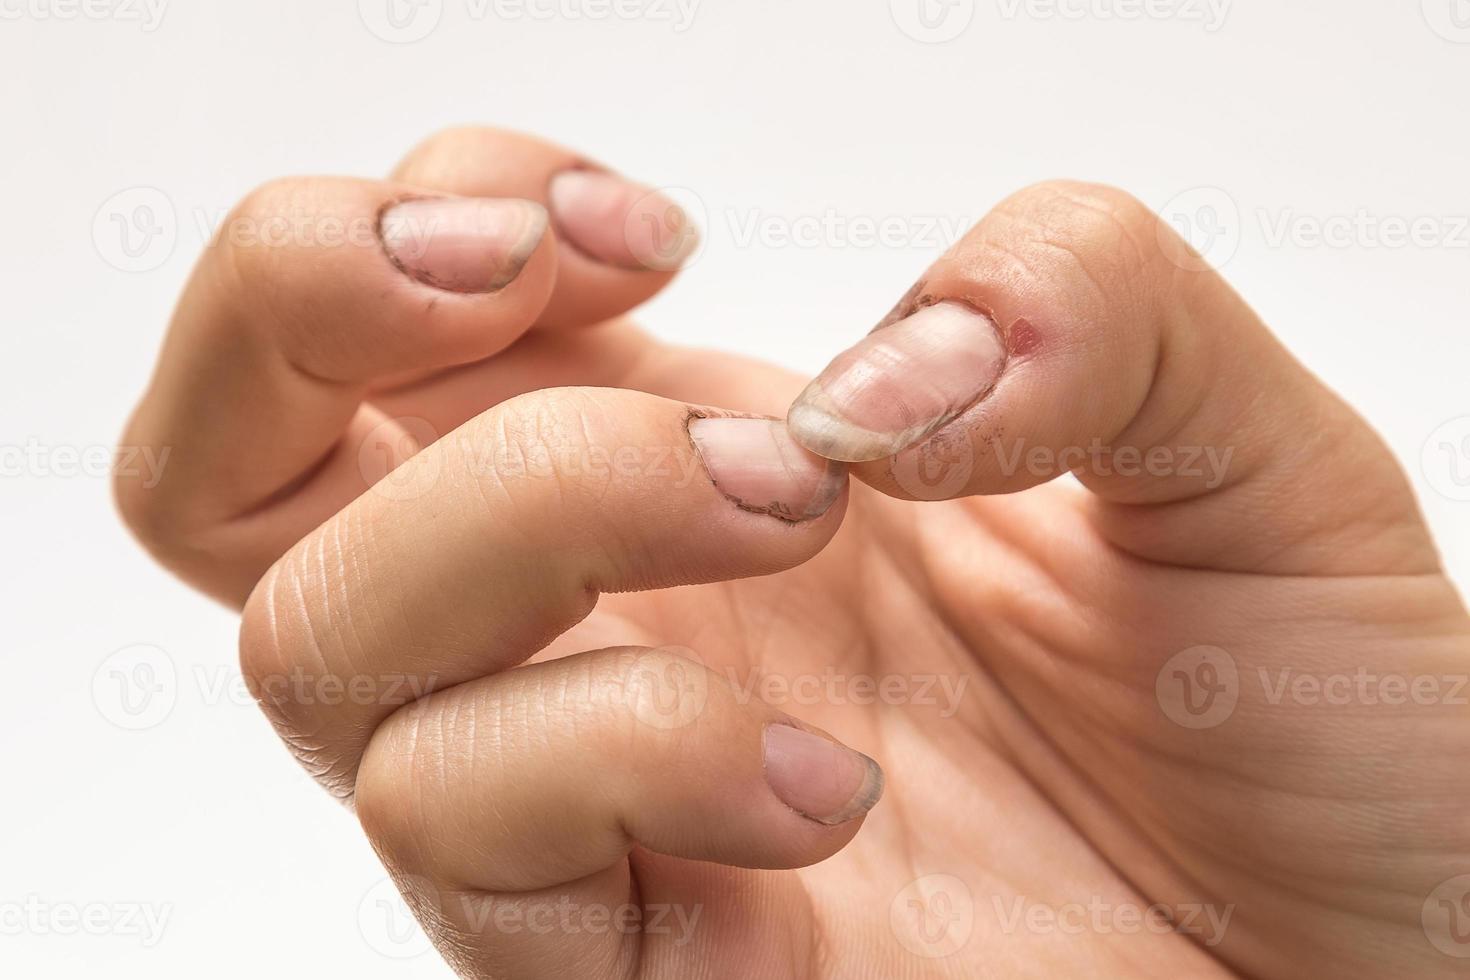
1022, 338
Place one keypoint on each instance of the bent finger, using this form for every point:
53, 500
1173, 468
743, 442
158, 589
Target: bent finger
1073, 331
281, 334
482, 549
621, 242
528, 791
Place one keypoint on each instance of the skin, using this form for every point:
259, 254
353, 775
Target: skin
1029, 814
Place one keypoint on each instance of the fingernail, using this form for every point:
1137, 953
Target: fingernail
463, 244
899, 384
758, 466
818, 778
620, 223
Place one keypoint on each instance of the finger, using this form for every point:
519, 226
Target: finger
314, 289
616, 354
1072, 330
621, 242
489, 544
532, 787
319, 293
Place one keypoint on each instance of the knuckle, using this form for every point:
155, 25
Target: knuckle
652, 702
260, 652
246, 269
451, 139
390, 780
1085, 210
460, 155
418, 768
167, 524
270, 243
250, 224
561, 458
1101, 235
137, 504
264, 657
269, 198
545, 443
279, 639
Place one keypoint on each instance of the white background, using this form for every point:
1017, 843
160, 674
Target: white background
796, 115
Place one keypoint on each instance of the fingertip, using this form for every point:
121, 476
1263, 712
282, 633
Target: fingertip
619, 223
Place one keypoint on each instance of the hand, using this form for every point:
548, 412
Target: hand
1087, 703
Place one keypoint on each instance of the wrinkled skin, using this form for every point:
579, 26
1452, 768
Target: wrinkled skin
1045, 782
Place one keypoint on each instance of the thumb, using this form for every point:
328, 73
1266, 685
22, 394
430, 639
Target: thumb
1073, 331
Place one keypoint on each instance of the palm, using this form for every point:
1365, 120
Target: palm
1052, 776
1000, 658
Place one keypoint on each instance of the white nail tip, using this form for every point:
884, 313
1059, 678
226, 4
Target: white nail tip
828, 434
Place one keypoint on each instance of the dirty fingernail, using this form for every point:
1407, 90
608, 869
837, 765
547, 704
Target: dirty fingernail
899, 384
760, 468
818, 778
463, 244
